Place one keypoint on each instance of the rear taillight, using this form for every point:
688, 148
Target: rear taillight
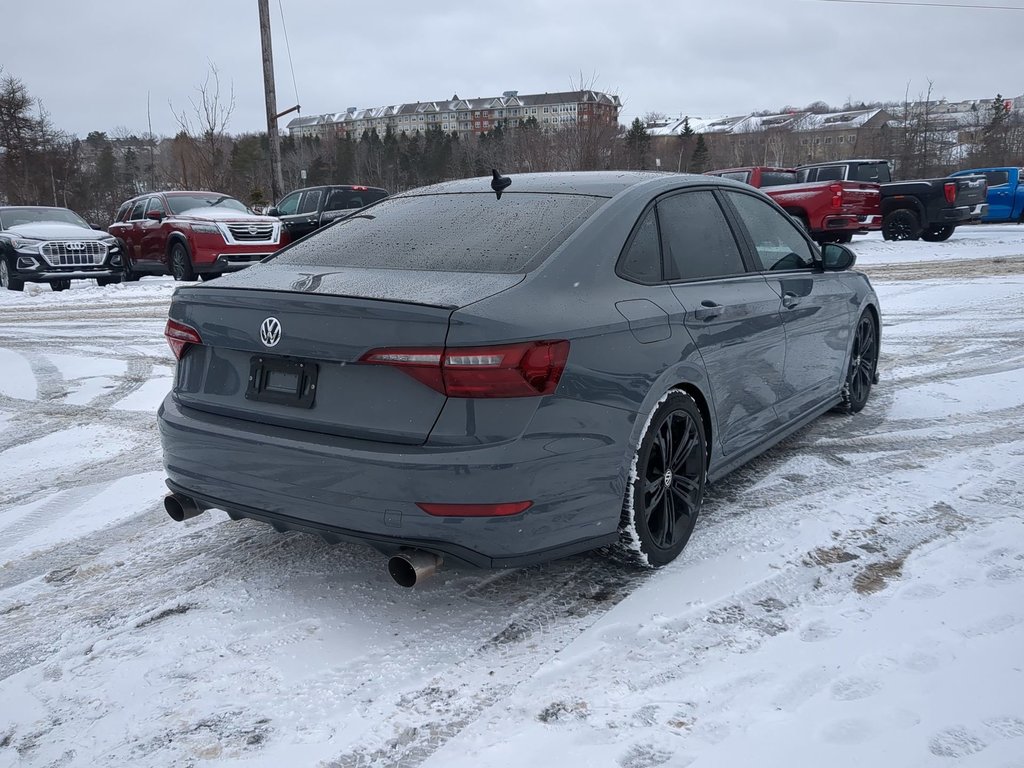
475, 510
837, 195
179, 336
527, 369
950, 189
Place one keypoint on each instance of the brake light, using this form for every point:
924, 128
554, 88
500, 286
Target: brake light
837, 195
179, 336
361, 189
950, 189
527, 369
475, 510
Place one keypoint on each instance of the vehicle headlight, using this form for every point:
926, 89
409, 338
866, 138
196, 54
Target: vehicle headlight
206, 229
23, 245
111, 243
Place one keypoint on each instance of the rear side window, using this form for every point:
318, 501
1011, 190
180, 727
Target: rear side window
697, 239
642, 259
779, 244
137, 210
997, 178
311, 201
472, 232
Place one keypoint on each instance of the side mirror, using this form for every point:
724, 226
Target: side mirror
97, 227
272, 211
155, 215
836, 257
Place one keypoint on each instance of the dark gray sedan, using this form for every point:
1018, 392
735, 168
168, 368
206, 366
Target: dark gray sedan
502, 378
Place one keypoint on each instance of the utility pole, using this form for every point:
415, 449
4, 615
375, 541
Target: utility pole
276, 179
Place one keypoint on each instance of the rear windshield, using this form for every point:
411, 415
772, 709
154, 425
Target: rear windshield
876, 172
448, 233
777, 178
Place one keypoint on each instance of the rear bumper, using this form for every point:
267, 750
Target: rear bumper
964, 213
850, 223
358, 490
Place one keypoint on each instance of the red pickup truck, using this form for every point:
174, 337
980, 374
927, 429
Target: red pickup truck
831, 211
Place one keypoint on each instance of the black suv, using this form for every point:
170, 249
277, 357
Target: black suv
305, 210
55, 246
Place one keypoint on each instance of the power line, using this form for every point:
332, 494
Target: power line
928, 5
288, 50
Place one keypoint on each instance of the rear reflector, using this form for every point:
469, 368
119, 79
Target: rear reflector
950, 189
475, 510
179, 336
527, 369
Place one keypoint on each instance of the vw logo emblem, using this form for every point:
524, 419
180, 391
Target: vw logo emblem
270, 331
75, 246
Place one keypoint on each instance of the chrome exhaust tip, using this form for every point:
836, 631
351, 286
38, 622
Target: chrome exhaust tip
181, 507
411, 567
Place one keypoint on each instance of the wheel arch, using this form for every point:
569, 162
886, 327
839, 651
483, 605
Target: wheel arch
903, 204
177, 237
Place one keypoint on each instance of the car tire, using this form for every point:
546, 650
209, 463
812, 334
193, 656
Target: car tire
863, 369
937, 233
901, 224
664, 497
7, 278
207, 276
59, 285
103, 282
130, 275
181, 262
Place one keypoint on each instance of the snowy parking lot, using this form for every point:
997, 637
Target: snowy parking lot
853, 597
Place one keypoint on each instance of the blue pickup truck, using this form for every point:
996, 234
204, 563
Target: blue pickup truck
1005, 192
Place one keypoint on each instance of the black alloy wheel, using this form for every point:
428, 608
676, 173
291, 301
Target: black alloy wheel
863, 364
181, 262
130, 275
665, 495
901, 224
7, 278
59, 285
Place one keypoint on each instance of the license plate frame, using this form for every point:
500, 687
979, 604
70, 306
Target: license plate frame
282, 381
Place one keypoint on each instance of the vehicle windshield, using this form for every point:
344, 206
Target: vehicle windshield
181, 203
448, 233
777, 178
12, 217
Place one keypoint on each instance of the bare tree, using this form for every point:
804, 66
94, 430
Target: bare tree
203, 127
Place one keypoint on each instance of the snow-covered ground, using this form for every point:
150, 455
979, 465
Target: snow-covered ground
853, 597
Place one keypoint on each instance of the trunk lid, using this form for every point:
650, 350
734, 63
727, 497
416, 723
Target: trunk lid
970, 190
328, 319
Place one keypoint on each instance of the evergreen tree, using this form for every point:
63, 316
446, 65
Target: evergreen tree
699, 160
686, 142
638, 142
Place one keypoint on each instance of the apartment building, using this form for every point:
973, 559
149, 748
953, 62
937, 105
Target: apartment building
464, 117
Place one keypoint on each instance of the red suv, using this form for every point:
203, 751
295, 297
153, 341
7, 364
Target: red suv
190, 234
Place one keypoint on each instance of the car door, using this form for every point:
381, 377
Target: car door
295, 213
132, 233
817, 307
1000, 195
731, 314
152, 232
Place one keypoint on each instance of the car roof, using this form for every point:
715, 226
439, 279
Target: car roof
596, 183
359, 187
844, 162
752, 168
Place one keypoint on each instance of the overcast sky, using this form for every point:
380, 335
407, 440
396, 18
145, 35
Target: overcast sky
93, 63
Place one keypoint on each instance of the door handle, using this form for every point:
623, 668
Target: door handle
790, 300
709, 310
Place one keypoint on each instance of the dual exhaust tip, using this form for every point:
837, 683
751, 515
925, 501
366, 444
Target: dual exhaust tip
408, 567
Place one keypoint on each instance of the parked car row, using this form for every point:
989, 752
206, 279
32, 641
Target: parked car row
837, 199
189, 235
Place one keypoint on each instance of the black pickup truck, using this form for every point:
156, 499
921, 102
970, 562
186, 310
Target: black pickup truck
929, 209
305, 210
